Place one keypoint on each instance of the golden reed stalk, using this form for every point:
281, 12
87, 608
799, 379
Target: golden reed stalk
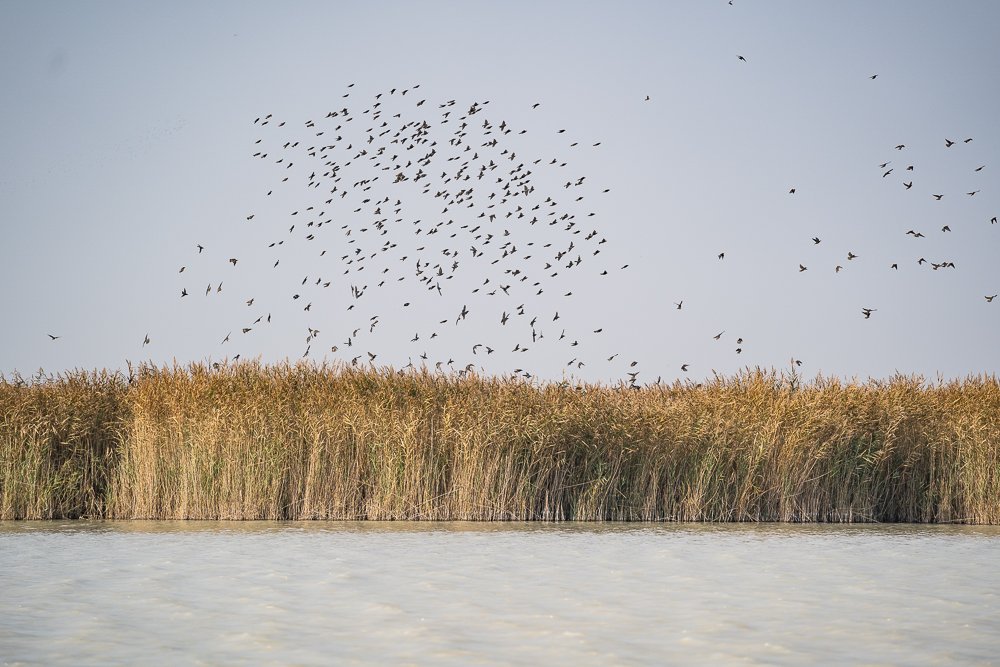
248, 441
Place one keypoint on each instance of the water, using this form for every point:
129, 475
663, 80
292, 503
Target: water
83, 593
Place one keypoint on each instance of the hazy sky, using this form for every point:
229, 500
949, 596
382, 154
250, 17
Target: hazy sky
128, 138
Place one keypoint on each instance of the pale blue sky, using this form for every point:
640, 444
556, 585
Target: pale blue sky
128, 134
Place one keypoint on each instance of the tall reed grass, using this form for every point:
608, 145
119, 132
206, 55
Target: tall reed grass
248, 441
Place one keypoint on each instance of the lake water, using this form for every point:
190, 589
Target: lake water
88, 593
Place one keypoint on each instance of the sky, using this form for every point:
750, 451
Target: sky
130, 132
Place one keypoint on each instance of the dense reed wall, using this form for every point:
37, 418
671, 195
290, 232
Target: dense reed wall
310, 442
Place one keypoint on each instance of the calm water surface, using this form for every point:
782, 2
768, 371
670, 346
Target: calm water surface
167, 593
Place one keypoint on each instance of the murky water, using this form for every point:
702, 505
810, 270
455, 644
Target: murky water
333, 593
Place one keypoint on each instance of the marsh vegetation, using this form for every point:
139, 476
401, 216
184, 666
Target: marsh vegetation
252, 441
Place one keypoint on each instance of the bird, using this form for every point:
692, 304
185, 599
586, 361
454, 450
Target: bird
816, 240
938, 197
873, 77
948, 143
850, 255
679, 304
989, 299
867, 312
58, 337
946, 228
684, 367
145, 341
908, 185
233, 260
803, 268
719, 335
722, 255
742, 58
792, 191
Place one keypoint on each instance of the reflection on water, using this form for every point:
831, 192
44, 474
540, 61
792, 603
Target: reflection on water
474, 593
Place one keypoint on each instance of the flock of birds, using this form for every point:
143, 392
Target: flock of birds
887, 168
505, 230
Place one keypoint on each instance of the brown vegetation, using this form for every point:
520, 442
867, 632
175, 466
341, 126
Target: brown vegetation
248, 441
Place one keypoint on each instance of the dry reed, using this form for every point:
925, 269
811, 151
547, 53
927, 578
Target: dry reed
248, 441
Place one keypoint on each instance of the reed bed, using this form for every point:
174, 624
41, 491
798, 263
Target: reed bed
298, 441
